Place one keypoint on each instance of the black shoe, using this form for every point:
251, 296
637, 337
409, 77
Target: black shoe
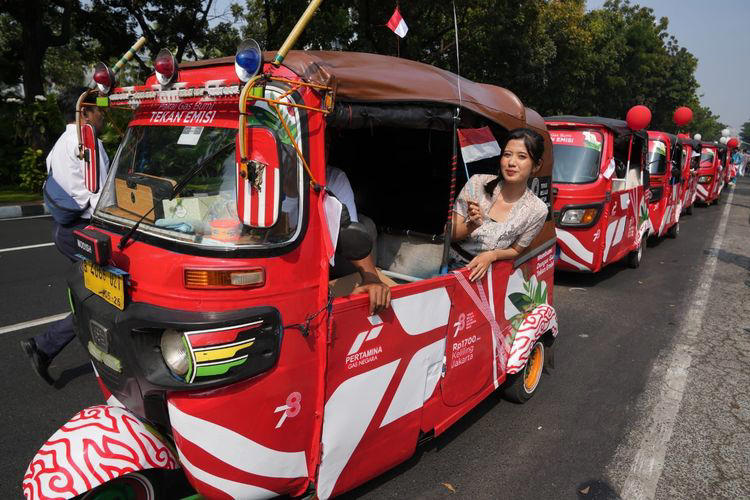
39, 361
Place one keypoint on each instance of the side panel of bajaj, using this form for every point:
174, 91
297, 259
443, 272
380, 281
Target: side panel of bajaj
664, 206
414, 369
601, 215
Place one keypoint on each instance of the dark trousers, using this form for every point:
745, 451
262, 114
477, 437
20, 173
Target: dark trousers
60, 333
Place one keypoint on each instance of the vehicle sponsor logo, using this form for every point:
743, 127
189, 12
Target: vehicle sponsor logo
545, 262
362, 352
291, 409
597, 234
465, 321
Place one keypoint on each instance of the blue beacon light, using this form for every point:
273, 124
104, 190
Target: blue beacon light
248, 60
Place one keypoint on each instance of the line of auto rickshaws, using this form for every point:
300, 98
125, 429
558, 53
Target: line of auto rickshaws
617, 184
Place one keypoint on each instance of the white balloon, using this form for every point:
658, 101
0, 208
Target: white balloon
726, 132
697, 137
724, 139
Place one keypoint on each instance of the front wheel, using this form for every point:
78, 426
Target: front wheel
674, 231
521, 386
634, 257
133, 486
689, 210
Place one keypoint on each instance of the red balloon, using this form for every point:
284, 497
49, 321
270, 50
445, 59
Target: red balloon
733, 143
638, 117
682, 116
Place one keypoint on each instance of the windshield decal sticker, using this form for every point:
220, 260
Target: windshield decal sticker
592, 141
190, 136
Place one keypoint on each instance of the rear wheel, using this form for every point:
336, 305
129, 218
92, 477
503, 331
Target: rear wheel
133, 486
634, 257
521, 386
689, 210
674, 231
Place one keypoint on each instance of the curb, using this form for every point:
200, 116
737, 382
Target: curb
8, 212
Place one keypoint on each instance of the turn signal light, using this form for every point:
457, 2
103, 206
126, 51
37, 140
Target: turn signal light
224, 278
579, 216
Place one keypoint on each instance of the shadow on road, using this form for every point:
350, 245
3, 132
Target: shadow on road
72, 374
586, 280
595, 489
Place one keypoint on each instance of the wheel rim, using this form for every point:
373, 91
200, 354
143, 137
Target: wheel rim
533, 370
640, 252
133, 486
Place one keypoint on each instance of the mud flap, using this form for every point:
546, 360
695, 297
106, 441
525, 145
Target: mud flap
97, 445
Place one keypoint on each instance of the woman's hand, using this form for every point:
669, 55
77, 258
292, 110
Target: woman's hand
480, 264
473, 215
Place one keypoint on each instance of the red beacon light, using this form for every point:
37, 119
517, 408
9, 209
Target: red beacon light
248, 60
165, 67
104, 78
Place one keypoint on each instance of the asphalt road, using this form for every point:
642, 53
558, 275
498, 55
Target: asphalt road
581, 436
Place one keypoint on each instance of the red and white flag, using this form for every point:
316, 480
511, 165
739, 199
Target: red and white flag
397, 24
477, 144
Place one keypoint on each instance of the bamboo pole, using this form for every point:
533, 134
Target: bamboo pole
129, 54
296, 32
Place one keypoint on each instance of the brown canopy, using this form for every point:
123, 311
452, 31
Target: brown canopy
362, 77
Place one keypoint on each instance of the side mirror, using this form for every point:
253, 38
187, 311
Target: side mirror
620, 168
90, 157
676, 173
258, 178
354, 242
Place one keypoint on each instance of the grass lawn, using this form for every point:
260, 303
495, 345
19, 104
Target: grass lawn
14, 194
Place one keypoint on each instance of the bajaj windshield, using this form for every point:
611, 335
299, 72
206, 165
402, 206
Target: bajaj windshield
657, 157
577, 155
154, 160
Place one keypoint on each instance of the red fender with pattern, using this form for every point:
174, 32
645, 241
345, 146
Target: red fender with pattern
98, 444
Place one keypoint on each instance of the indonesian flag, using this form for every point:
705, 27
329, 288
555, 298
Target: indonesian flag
477, 144
397, 24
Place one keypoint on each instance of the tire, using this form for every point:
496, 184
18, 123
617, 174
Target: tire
674, 231
634, 257
150, 484
134, 486
521, 386
689, 210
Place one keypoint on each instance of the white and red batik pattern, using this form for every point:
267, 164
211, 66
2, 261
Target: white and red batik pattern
97, 445
541, 319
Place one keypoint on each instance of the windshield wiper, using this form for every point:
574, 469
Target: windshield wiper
175, 191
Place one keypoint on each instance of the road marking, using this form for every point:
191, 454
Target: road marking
32, 323
13, 249
25, 217
648, 462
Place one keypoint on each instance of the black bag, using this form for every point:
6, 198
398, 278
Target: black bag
59, 203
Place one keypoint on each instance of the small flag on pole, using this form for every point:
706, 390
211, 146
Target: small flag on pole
397, 24
477, 144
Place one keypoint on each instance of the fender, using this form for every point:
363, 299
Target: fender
97, 445
541, 320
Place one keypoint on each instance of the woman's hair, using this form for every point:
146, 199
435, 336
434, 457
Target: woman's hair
534, 143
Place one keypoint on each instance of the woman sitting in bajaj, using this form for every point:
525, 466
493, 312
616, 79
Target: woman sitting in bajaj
499, 214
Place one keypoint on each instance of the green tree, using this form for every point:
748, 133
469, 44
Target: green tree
745, 132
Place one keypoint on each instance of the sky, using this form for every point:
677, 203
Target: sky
717, 32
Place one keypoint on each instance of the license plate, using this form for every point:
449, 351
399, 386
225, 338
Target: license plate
106, 284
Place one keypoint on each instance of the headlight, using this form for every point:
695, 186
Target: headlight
705, 179
175, 352
579, 216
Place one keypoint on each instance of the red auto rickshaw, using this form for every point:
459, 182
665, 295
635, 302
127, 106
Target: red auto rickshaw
665, 169
599, 179
690, 164
222, 350
711, 172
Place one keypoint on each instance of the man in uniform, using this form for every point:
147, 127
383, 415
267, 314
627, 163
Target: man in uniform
68, 171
